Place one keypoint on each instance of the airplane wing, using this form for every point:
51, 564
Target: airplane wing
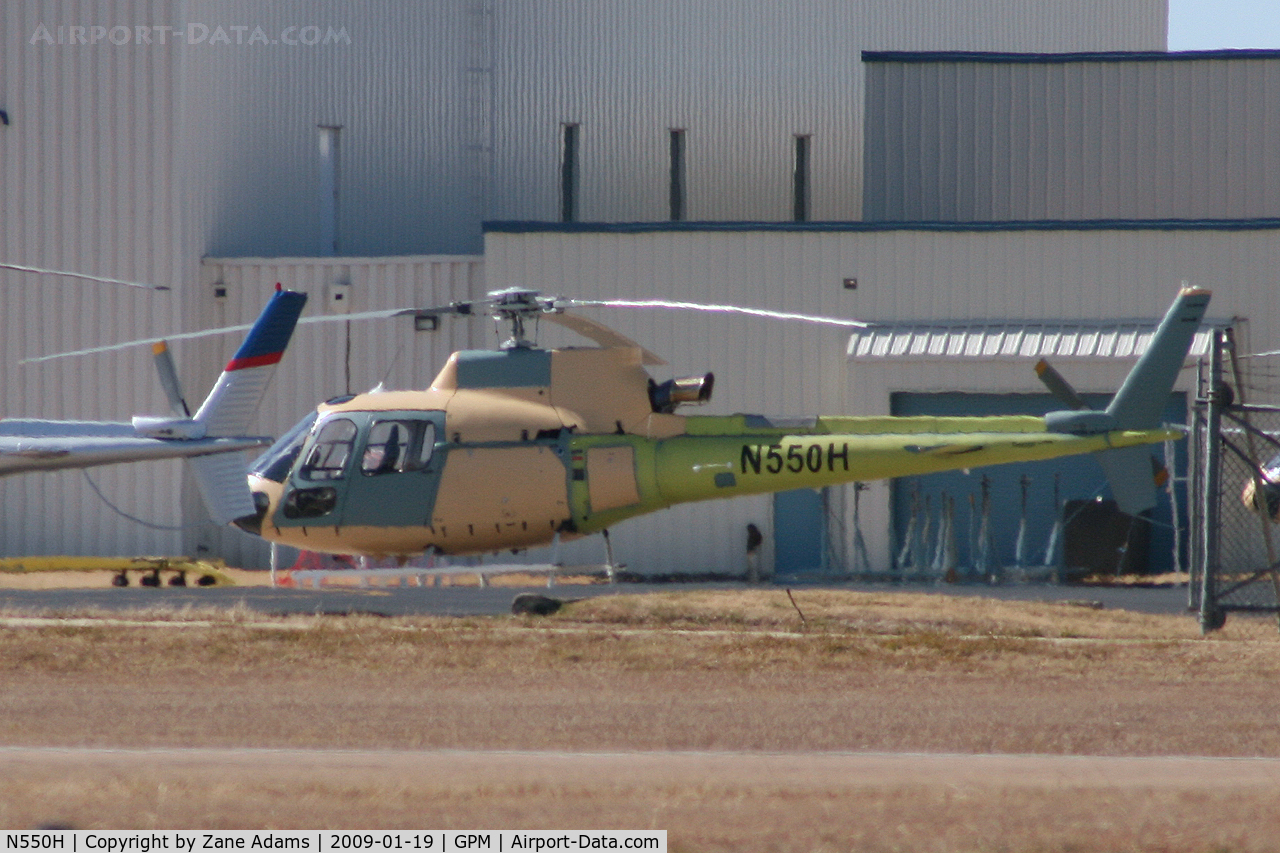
37, 445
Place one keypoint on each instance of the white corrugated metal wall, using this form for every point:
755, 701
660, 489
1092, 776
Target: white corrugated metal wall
742, 80
787, 368
393, 76
1017, 138
86, 184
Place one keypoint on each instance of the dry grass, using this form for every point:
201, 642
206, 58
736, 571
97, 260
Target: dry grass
677, 671
841, 612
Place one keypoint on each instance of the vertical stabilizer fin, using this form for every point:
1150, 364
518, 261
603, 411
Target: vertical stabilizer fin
231, 405
1145, 393
223, 483
1130, 474
1143, 397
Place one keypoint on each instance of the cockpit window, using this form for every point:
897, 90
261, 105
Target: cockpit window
427, 446
398, 445
327, 459
387, 449
277, 461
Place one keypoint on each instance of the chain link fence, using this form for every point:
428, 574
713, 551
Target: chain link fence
1235, 485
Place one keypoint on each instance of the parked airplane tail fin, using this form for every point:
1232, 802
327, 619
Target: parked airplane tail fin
231, 405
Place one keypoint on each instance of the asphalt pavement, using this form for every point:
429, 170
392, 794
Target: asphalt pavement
492, 601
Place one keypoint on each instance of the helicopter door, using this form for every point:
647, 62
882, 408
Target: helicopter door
313, 493
397, 474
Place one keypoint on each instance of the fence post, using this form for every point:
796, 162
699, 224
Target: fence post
1211, 616
1195, 490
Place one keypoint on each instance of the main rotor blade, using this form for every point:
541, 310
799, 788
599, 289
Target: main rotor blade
1058, 386
86, 277
727, 309
600, 333
207, 333
169, 379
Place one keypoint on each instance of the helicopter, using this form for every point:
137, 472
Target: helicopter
522, 446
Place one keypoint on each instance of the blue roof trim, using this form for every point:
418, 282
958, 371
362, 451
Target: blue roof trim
1057, 58
502, 227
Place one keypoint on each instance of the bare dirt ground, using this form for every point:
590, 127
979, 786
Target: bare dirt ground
720, 717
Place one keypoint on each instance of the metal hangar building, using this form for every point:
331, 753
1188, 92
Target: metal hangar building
988, 180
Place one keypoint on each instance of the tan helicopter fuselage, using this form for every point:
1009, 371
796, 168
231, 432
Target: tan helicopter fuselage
512, 429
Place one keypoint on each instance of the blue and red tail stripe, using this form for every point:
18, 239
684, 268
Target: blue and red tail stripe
266, 341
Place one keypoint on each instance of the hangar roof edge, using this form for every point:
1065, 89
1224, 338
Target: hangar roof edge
533, 227
907, 56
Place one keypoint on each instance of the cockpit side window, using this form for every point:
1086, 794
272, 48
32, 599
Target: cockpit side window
428, 445
395, 446
330, 451
387, 449
277, 461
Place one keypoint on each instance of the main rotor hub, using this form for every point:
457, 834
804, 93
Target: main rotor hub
513, 306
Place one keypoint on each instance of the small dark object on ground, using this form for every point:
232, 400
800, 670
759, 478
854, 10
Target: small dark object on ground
532, 604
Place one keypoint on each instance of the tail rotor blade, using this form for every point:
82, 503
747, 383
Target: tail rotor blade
169, 378
1058, 386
